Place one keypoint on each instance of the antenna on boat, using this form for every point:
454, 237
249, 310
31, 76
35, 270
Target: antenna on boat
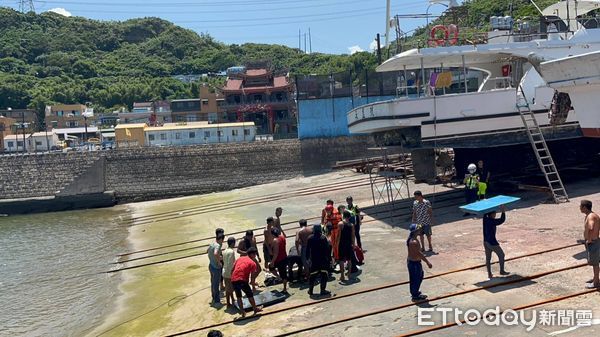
536, 7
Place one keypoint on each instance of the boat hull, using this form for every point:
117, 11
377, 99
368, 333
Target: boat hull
480, 118
579, 76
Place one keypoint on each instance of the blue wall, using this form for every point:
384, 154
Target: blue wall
326, 117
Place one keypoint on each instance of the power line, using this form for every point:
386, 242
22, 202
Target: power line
249, 10
362, 10
175, 4
271, 23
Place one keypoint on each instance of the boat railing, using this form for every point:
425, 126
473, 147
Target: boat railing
407, 91
500, 82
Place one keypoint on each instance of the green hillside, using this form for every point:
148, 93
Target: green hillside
47, 58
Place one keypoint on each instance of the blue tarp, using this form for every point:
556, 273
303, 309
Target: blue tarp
488, 205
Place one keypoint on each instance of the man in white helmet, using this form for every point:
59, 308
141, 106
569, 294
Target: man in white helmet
471, 184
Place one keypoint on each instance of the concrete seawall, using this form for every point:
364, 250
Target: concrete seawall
162, 172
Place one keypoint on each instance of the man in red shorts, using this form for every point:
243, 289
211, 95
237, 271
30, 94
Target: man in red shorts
240, 279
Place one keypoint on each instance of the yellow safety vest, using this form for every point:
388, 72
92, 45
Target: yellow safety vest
471, 181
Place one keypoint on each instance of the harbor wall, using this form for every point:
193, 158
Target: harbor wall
36, 175
327, 117
137, 174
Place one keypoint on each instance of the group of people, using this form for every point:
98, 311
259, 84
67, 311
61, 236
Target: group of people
336, 241
423, 219
316, 251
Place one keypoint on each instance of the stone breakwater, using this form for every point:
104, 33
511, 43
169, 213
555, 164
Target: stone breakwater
137, 174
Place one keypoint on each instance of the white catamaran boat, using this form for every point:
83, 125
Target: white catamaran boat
454, 94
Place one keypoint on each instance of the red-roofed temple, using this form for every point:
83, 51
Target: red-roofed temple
259, 96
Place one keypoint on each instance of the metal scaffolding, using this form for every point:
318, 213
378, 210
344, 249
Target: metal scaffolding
389, 180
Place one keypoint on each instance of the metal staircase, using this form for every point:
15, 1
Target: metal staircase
544, 158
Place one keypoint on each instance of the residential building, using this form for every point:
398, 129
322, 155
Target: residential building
130, 135
24, 119
258, 95
15, 143
43, 141
76, 135
207, 108
212, 105
6, 126
158, 112
69, 116
183, 133
107, 135
30, 116
108, 119
193, 133
186, 110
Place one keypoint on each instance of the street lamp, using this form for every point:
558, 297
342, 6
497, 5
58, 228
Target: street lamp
23, 127
88, 112
450, 4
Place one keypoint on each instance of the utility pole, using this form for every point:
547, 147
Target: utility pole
26, 6
23, 127
379, 62
85, 125
378, 39
387, 22
304, 43
47, 142
309, 40
299, 41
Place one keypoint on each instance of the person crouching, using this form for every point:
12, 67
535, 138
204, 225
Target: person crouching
240, 279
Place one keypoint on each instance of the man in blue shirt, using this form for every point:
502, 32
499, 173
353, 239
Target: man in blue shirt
489, 240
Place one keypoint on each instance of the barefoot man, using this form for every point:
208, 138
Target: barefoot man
415, 268
277, 223
240, 279
591, 234
267, 243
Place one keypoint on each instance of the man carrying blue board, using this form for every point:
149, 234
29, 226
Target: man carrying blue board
489, 240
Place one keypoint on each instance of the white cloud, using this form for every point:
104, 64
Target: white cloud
355, 49
60, 11
373, 45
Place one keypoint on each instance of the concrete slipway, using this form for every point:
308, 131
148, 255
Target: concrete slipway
173, 297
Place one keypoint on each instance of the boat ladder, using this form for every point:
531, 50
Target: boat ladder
542, 153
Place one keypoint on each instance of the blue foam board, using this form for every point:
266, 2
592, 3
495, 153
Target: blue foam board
488, 205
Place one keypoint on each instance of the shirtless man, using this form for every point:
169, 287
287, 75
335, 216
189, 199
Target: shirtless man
246, 243
267, 243
415, 268
591, 233
278, 212
301, 244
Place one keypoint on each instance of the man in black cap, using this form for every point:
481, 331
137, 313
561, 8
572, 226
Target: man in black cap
317, 250
490, 244
415, 268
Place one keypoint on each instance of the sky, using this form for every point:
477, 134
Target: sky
336, 26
